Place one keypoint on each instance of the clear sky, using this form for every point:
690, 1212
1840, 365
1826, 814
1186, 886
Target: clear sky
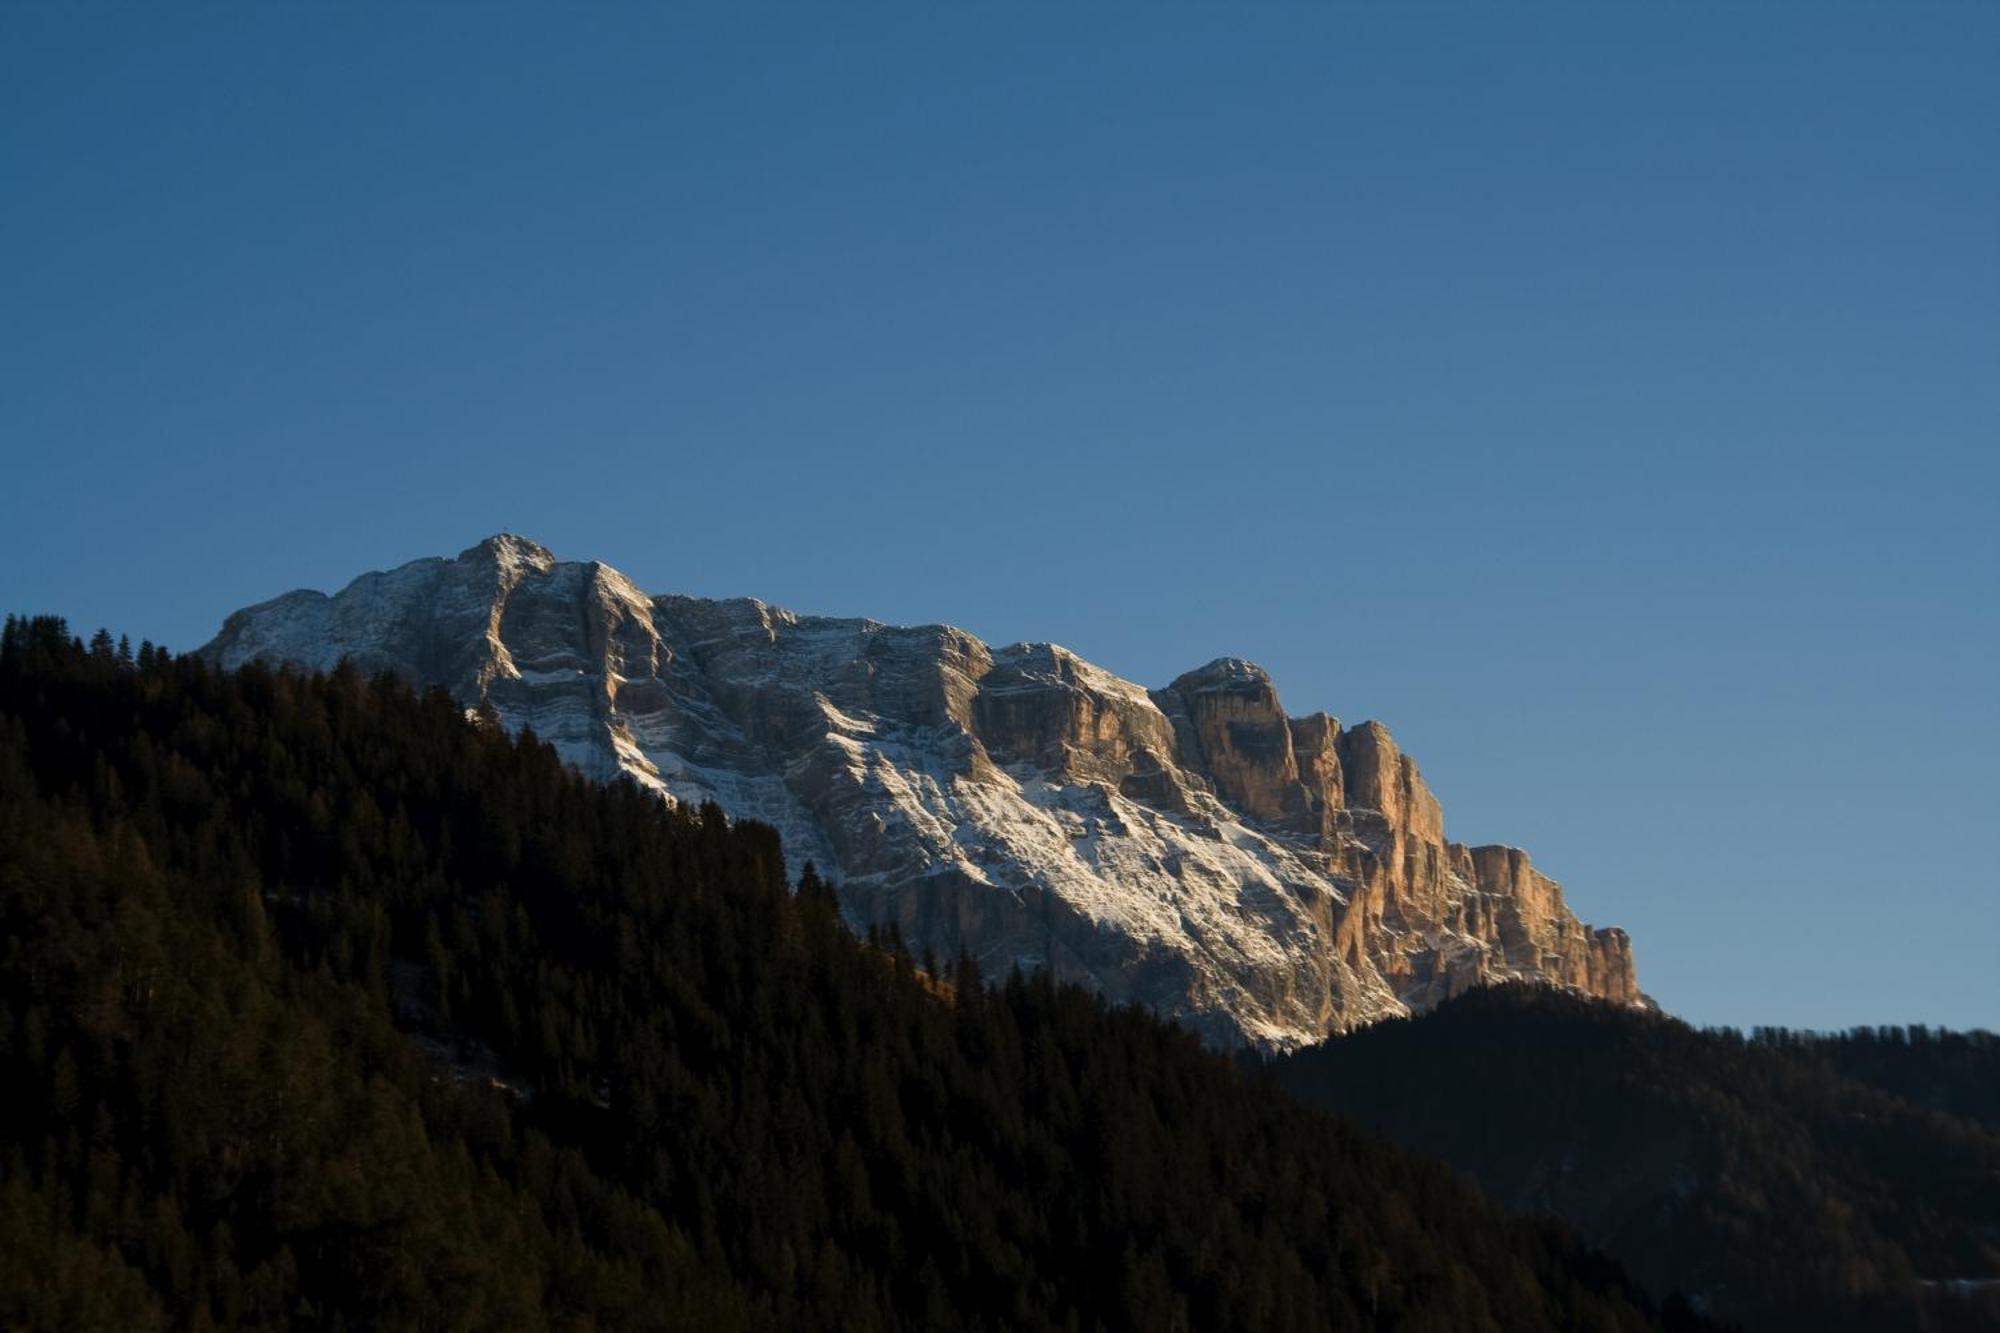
1604, 396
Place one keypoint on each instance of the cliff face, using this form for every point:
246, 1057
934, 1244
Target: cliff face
1262, 878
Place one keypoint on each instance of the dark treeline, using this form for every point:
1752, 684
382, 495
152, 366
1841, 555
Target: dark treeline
1957, 1073
322, 1006
1792, 1181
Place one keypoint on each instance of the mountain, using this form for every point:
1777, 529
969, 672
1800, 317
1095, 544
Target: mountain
322, 1007
1264, 879
1785, 1181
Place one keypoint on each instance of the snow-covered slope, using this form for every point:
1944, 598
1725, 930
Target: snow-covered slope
1262, 878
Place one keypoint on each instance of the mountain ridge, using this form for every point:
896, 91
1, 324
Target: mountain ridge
1263, 878
321, 1007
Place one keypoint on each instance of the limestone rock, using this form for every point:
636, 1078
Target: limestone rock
1262, 878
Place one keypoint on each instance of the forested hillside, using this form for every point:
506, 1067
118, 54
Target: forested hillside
1791, 1181
1957, 1073
322, 1006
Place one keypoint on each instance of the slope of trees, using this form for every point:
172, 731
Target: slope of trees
323, 1006
1787, 1180
1956, 1073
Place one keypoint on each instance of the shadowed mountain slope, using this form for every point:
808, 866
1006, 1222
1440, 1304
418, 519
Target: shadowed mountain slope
1787, 1180
323, 1006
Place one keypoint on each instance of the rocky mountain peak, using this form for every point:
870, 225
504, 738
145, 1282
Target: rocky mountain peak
1224, 673
1263, 878
510, 552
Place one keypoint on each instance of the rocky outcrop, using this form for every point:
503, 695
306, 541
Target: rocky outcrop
1263, 878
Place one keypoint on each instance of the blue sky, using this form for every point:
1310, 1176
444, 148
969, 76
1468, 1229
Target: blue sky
1603, 396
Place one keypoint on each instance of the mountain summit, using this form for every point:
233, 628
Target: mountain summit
1264, 879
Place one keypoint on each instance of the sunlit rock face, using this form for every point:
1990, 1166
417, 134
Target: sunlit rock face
1262, 878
